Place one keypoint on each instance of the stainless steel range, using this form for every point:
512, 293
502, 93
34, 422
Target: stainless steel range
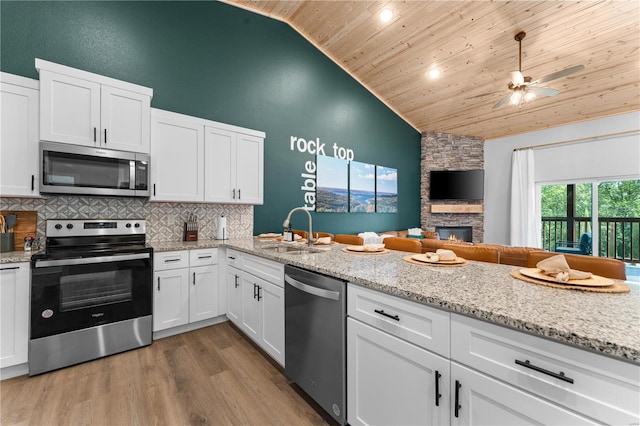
91, 292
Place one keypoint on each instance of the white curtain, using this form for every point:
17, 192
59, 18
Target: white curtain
525, 213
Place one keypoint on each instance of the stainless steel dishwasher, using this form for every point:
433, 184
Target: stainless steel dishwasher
315, 338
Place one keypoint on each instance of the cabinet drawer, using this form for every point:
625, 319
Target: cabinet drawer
234, 258
203, 257
265, 269
419, 324
170, 260
603, 388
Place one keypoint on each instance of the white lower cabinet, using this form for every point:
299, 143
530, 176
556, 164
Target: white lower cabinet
255, 300
393, 382
186, 287
488, 374
14, 314
234, 295
171, 299
482, 400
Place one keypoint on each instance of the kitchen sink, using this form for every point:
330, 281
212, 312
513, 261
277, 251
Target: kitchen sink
290, 249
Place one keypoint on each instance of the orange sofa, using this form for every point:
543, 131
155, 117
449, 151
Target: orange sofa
495, 253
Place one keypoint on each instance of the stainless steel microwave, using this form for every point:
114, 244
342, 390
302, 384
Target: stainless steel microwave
76, 169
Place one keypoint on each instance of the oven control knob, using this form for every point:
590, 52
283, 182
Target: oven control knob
47, 313
69, 226
58, 226
128, 225
137, 225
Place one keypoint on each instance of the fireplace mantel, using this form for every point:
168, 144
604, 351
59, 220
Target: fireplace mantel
456, 208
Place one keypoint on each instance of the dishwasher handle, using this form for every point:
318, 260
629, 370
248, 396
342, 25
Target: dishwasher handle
320, 292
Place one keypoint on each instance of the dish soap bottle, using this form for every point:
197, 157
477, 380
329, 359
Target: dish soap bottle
288, 234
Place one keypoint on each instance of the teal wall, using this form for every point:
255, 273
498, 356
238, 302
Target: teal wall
219, 62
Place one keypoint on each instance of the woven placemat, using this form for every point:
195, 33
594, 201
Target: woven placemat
417, 262
616, 287
383, 251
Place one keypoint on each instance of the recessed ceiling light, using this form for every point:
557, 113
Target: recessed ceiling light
434, 73
386, 15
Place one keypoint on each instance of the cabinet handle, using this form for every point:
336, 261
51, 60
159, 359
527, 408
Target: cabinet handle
259, 297
105, 136
194, 278
158, 283
438, 375
234, 193
457, 399
255, 287
204, 257
239, 196
381, 312
95, 135
236, 283
154, 189
231, 257
33, 182
171, 260
9, 268
559, 376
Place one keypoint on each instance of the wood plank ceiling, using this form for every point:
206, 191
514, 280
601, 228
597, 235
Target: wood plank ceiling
472, 43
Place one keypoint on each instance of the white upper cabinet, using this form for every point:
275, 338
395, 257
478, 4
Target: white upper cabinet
18, 136
82, 108
177, 157
197, 160
237, 161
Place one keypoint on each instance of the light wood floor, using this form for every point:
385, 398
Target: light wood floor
211, 376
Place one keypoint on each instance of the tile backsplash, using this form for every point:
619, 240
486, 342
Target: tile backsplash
164, 220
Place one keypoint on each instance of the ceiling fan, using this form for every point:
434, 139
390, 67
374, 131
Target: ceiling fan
524, 89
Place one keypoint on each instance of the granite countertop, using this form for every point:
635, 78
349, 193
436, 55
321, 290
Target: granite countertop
601, 322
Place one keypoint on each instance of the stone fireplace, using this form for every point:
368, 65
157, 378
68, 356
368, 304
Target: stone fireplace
444, 151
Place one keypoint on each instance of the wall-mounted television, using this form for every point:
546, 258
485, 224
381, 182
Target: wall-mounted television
456, 185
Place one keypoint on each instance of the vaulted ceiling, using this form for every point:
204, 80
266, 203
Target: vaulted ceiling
472, 44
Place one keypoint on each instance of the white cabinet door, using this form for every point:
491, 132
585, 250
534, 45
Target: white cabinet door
249, 169
203, 298
125, 120
170, 298
272, 332
234, 295
220, 159
14, 314
69, 109
19, 102
251, 314
177, 157
393, 382
234, 167
483, 400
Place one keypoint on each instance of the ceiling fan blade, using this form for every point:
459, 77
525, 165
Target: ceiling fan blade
559, 74
542, 91
502, 101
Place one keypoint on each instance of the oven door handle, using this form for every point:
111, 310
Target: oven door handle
91, 260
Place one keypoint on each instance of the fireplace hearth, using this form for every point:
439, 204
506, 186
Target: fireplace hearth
457, 233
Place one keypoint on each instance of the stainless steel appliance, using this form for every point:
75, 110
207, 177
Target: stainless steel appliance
91, 292
315, 338
75, 169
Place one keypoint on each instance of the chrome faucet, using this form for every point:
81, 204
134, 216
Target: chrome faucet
285, 224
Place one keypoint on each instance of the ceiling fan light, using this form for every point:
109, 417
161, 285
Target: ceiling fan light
515, 98
517, 78
529, 96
